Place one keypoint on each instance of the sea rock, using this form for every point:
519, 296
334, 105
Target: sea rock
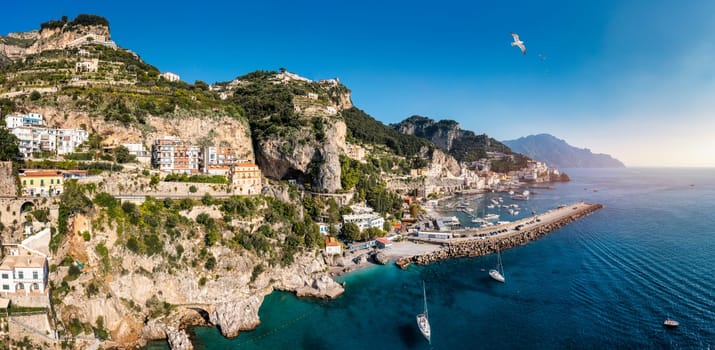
238, 315
322, 287
178, 339
381, 258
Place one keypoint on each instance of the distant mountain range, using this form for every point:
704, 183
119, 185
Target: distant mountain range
556, 152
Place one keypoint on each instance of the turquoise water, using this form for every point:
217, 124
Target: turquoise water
606, 281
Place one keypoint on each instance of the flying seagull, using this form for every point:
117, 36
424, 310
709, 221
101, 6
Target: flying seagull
518, 43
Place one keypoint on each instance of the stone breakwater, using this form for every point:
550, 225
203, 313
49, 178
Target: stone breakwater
479, 247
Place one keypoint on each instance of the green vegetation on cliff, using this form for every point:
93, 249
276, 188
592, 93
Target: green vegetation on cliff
366, 129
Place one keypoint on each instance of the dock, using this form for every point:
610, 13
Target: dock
483, 241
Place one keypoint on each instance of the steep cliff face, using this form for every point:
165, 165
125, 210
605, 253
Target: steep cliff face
442, 133
19, 45
463, 145
196, 127
296, 125
447, 162
230, 297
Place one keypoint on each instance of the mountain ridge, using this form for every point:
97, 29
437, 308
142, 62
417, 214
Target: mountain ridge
557, 152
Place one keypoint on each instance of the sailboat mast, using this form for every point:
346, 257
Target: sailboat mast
424, 292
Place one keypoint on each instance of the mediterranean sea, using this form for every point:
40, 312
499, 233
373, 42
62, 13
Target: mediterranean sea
607, 281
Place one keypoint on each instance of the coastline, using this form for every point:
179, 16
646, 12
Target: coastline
475, 246
425, 251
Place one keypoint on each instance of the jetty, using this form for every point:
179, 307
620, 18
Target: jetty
483, 241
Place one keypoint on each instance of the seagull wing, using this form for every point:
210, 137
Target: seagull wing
522, 47
516, 36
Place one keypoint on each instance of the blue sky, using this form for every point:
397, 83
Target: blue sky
635, 79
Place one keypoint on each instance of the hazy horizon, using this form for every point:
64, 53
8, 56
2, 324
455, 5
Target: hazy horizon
633, 80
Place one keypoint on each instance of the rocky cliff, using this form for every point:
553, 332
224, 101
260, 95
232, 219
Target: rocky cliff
128, 296
463, 145
60, 35
209, 128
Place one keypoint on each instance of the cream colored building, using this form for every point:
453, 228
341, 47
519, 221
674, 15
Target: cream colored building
246, 178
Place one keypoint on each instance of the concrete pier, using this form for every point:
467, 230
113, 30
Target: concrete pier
483, 241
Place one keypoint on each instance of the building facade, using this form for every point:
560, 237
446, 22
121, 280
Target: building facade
218, 160
364, 221
246, 178
20, 120
23, 274
173, 155
37, 139
332, 246
41, 183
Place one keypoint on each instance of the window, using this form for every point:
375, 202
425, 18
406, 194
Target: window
42, 182
32, 182
5, 287
20, 275
52, 181
5, 276
24, 182
34, 275
58, 181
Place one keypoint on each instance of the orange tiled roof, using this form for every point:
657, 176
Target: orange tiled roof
331, 242
40, 173
383, 240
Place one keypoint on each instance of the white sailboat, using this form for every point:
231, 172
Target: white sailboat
498, 273
422, 320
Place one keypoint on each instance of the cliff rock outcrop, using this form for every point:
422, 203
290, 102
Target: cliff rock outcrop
237, 315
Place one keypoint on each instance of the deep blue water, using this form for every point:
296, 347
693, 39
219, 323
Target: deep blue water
606, 281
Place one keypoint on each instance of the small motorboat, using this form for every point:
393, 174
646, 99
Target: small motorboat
671, 323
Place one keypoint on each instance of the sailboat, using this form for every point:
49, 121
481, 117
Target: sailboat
422, 320
498, 273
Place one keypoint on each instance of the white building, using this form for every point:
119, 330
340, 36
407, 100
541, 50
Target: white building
87, 66
138, 150
20, 120
169, 76
364, 221
35, 140
434, 235
219, 160
174, 155
25, 274
67, 140
332, 246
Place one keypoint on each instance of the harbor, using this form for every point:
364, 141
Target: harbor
473, 242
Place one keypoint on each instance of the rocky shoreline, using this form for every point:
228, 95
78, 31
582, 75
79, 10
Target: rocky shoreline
480, 247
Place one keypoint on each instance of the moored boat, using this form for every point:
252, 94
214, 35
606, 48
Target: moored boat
423, 320
671, 323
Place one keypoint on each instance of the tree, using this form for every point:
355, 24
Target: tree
350, 231
122, 155
35, 95
8, 146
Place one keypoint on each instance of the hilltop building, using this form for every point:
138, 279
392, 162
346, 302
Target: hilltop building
169, 76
